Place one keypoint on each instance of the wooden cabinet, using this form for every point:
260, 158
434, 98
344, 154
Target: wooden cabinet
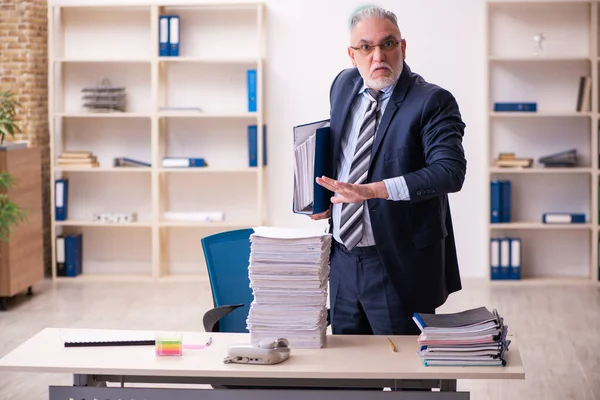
21, 257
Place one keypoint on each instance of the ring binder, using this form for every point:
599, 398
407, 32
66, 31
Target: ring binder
311, 159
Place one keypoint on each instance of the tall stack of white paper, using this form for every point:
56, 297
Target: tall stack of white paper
289, 271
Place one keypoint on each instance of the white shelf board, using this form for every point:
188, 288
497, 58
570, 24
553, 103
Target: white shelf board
195, 170
103, 115
537, 59
82, 223
102, 169
193, 114
537, 225
207, 60
102, 60
523, 114
537, 170
543, 281
223, 224
215, 5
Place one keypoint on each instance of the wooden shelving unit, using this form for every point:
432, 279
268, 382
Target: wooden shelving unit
550, 253
218, 44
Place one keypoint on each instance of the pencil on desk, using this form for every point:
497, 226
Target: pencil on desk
392, 345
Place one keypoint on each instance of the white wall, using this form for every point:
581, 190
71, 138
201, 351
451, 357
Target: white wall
307, 48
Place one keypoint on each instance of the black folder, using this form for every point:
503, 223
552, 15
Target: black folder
312, 158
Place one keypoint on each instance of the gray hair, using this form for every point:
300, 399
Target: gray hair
373, 12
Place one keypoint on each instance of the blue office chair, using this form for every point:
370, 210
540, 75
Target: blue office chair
227, 256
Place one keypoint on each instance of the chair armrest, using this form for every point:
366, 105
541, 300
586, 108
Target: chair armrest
211, 318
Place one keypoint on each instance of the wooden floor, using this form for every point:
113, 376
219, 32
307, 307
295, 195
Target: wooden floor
558, 329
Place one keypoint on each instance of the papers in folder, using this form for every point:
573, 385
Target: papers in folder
311, 159
475, 337
288, 271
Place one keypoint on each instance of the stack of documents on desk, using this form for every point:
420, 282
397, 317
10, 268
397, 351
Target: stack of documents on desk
475, 337
288, 272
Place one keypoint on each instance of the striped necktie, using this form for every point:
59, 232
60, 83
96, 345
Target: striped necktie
352, 213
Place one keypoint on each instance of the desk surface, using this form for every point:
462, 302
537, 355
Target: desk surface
344, 357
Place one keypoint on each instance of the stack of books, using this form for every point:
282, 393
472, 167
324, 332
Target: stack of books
77, 159
510, 160
475, 337
289, 271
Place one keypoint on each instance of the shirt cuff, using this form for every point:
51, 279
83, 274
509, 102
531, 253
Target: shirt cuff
397, 189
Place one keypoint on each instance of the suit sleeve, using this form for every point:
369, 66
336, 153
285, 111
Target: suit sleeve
441, 136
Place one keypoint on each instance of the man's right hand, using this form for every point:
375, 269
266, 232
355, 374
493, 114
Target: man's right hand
323, 215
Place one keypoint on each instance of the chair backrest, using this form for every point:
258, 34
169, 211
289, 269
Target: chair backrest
227, 257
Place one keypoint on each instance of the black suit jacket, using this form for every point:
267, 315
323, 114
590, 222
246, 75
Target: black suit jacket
419, 137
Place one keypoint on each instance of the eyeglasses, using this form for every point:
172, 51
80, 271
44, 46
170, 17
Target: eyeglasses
387, 46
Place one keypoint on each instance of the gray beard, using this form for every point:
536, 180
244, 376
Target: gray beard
382, 83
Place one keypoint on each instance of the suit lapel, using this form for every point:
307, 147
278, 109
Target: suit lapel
394, 103
348, 94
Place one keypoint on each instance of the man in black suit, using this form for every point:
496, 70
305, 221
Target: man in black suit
397, 153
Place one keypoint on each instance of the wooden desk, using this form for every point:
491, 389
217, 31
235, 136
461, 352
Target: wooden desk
346, 362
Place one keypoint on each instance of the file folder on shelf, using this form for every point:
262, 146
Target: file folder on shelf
495, 258
163, 35
563, 218
253, 145
251, 83
60, 256
61, 194
173, 35
311, 159
515, 259
73, 254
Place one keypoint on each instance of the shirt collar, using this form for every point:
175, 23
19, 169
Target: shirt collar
387, 91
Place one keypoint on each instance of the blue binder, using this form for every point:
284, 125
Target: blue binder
563, 218
527, 107
163, 35
253, 145
515, 259
183, 162
251, 82
174, 31
317, 134
505, 204
504, 258
500, 201
495, 201
61, 199
495, 258
73, 254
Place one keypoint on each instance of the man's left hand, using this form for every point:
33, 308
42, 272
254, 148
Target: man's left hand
353, 193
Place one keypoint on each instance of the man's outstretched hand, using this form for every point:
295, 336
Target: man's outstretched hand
353, 193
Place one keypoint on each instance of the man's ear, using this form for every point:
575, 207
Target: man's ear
351, 55
403, 44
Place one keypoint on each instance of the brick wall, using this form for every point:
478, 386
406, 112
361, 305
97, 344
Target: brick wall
24, 71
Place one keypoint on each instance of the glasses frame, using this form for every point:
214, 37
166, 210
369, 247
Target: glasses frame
361, 50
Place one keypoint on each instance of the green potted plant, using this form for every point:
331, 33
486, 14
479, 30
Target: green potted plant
10, 213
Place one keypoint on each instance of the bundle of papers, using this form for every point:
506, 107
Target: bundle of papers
566, 158
289, 271
475, 337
